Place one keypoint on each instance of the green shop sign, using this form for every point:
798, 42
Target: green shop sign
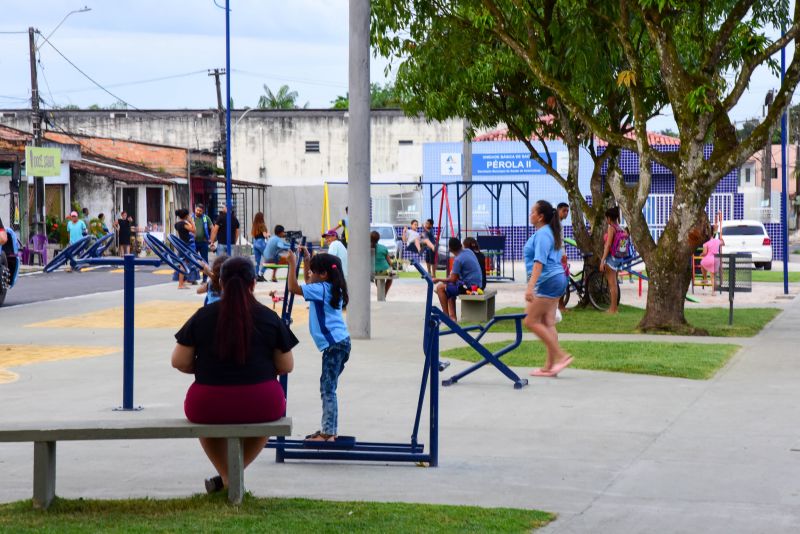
42, 161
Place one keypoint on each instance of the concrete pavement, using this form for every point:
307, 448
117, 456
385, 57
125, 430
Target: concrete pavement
608, 452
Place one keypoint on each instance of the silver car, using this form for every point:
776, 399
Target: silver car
388, 237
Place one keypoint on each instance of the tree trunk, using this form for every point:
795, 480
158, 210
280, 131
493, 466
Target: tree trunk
669, 265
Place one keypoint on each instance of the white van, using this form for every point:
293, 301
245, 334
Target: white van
748, 236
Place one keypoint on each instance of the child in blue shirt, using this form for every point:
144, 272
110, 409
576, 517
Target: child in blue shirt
326, 292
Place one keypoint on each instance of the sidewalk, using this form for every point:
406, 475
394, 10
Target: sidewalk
609, 452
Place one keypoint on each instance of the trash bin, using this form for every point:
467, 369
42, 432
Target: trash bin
735, 276
736, 267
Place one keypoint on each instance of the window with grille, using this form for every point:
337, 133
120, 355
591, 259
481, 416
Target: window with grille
312, 147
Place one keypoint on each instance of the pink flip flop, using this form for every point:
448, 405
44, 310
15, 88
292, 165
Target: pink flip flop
557, 368
539, 372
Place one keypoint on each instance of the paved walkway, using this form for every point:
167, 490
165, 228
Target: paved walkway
608, 452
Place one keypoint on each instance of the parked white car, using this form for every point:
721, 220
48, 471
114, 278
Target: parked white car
388, 237
748, 236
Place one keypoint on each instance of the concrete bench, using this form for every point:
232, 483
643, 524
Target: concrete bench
380, 280
478, 308
45, 435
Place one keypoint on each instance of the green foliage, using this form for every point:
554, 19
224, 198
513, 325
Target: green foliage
700, 100
697, 361
285, 98
261, 515
56, 230
381, 97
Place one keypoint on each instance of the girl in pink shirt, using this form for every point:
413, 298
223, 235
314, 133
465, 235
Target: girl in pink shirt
709, 262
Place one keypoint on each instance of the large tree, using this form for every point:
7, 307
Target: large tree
679, 48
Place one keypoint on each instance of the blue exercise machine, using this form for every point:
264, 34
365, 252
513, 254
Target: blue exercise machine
83, 253
350, 448
488, 357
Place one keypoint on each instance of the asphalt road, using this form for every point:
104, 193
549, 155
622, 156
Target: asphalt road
38, 287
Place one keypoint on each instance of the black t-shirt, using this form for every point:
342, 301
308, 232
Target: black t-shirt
183, 232
8, 246
124, 229
269, 334
222, 222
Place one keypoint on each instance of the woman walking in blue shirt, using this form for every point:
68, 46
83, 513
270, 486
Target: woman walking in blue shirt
546, 283
326, 292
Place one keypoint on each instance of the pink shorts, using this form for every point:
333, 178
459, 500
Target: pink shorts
250, 403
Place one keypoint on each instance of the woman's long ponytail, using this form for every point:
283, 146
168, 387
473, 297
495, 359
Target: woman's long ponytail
235, 321
551, 218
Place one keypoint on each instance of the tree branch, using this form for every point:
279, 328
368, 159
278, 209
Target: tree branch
747, 71
724, 33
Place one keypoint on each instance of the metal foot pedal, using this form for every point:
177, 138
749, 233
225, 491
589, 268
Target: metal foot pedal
341, 442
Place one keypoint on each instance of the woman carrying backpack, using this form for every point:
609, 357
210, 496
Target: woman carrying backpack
616, 249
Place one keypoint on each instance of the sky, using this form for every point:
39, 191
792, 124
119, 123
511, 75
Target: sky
156, 54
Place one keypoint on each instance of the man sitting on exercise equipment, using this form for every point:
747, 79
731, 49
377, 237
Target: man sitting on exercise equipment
465, 274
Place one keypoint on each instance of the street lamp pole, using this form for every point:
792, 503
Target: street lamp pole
228, 188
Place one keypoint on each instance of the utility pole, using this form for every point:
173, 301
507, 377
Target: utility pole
220, 110
36, 127
358, 169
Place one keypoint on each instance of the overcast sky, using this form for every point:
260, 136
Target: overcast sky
302, 43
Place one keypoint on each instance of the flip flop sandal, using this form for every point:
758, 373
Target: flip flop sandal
319, 435
557, 368
546, 374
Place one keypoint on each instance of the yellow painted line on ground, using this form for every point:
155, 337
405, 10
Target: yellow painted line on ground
16, 355
153, 314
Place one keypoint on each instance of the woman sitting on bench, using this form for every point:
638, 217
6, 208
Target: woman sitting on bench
235, 348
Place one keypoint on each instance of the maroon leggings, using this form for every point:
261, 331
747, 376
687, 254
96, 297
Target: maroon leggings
250, 403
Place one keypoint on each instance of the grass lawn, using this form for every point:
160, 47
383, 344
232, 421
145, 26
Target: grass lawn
747, 322
211, 513
681, 360
775, 276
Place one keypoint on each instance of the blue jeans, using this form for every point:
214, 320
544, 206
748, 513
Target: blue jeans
202, 249
259, 246
333, 360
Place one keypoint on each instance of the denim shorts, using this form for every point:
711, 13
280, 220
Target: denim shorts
614, 263
454, 290
553, 287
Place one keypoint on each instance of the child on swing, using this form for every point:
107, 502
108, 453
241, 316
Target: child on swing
326, 292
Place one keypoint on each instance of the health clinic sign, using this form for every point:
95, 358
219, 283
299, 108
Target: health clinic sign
506, 164
40, 161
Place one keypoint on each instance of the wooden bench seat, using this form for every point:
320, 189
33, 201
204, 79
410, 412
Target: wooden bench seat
478, 308
380, 281
45, 435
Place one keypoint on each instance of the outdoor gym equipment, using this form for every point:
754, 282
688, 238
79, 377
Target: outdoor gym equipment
488, 357
80, 250
351, 449
186, 253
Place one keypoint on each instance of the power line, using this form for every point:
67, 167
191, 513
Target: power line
8, 33
87, 76
135, 82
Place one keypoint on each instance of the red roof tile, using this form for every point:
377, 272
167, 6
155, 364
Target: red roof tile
656, 139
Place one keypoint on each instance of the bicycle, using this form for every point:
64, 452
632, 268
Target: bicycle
594, 282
